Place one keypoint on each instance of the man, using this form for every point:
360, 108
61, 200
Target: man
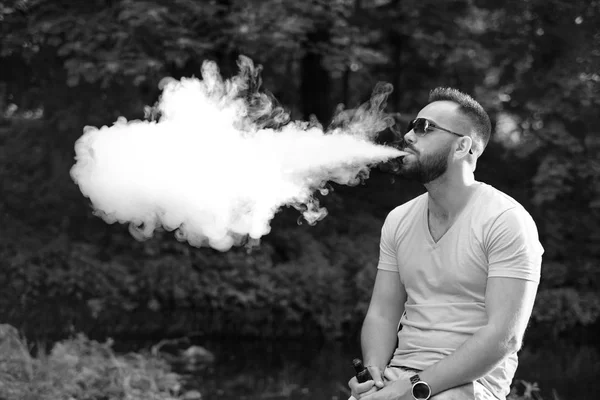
458, 270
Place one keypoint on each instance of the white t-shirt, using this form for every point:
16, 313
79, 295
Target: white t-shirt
445, 281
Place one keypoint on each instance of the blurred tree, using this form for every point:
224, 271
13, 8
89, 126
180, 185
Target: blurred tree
547, 83
65, 64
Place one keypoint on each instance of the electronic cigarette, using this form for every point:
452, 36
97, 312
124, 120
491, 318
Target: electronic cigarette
362, 373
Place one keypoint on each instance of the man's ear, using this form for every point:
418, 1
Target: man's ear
465, 144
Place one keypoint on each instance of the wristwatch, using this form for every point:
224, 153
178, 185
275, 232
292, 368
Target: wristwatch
420, 389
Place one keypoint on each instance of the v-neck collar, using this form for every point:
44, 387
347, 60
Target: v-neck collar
458, 218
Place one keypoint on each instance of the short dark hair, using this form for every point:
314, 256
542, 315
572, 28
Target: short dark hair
470, 108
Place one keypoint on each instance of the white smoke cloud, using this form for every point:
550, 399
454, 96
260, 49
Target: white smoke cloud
221, 160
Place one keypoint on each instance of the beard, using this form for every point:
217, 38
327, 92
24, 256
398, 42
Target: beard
426, 168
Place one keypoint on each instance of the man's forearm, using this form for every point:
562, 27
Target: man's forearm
474, 359
378, 339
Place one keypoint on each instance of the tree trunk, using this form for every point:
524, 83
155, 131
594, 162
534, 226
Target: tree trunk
346, 85
315, 80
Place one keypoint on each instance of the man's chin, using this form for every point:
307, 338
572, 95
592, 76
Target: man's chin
405, 166
392, 166
408, 171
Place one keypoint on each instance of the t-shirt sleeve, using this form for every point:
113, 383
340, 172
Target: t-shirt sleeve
387, 245
513, 246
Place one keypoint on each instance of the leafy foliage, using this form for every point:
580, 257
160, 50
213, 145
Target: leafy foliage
166, 289
80, 368
65, 64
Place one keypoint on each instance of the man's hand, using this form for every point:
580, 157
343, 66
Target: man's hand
360, 390
397, 390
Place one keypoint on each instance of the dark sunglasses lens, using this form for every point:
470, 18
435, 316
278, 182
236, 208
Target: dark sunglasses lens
420, 126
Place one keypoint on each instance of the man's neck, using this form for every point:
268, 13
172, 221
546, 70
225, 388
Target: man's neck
448, 195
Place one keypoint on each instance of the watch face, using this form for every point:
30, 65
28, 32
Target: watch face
421, 390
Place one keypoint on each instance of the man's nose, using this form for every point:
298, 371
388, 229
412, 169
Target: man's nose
410, 137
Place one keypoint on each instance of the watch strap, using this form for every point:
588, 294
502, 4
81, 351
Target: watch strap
414, 379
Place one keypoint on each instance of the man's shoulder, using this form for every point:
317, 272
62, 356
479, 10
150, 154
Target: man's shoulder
494, 203
406, 208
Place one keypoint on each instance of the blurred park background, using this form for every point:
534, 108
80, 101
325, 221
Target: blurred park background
283, 319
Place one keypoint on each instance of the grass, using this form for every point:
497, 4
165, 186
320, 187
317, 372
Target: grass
84, 369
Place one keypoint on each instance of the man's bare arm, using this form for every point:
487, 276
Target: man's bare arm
509, 303
379, 331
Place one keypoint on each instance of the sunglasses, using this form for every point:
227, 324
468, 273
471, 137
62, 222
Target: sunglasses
423, 126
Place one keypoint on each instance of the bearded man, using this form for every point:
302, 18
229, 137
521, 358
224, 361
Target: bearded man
458, 270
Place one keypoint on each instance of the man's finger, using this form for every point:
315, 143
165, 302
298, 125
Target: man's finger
368, 392
376, 375
359, 389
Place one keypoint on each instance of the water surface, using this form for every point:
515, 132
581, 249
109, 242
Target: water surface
309, 370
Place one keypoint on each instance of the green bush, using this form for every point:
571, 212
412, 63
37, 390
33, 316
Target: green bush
85, 369
294, 285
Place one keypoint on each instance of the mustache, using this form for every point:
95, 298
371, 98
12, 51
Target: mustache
404, 145
409, 147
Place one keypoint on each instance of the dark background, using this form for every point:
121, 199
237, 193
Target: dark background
533, 64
